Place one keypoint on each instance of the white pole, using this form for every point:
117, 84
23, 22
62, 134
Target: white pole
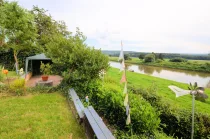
193, 110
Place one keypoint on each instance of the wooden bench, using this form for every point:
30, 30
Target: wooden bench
77, 103
95, 126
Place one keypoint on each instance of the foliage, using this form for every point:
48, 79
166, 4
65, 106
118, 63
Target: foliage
159, 60
149, 58
45, 68
178, 59
38, 116
166, 55
108, 100
192, 65
75, 59
47, 27
160, 56
141, 56
18, 28
127, 57
175, 121
18, 86
175, 112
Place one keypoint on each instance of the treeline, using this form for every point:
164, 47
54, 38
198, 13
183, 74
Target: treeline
165, 55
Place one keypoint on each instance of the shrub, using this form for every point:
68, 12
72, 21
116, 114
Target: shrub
45, 68
127, 57
149, 58
178, 59
18, 86
174, 121
75, 59
159, 60
108, 101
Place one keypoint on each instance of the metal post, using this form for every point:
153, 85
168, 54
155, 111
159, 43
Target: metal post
193, 106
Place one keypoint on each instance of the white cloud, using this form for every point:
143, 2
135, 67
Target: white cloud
159, 25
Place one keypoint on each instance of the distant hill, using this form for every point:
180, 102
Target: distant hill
165, 55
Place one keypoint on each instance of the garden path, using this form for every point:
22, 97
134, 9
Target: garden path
32, 82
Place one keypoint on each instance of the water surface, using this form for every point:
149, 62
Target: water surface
184, 76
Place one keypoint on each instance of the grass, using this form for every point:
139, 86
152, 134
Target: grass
144, 81
38, 116
193, 65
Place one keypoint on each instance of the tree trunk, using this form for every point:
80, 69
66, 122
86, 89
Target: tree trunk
16, 62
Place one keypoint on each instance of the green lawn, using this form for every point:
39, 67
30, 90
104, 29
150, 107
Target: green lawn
195, 65
144, 81
37, 116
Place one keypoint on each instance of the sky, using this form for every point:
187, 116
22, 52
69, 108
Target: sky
169, 26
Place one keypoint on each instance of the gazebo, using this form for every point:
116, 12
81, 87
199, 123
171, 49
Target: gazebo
34, 62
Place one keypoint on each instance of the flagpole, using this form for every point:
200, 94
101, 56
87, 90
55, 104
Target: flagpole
193, 105
127, 92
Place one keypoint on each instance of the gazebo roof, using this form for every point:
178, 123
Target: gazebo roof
38, 57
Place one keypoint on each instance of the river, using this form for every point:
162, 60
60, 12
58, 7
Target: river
184, 76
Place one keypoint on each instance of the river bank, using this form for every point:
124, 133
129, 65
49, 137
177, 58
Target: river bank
137, 80
191, 65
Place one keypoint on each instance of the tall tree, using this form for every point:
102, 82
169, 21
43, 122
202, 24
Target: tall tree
81, 63
141, 56
19, 28
160, 56
47, 27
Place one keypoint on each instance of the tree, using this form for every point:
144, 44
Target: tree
156, 57
80, 63
149, 58
141, 56
18, 28
127, 57
160, 56
47, 27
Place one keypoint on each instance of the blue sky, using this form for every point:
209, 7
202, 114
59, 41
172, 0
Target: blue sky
177, 26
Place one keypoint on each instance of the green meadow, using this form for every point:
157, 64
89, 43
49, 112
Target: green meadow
137, 80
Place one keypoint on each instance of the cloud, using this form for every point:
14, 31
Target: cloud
143, 25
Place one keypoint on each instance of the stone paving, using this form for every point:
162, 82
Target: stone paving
55, 78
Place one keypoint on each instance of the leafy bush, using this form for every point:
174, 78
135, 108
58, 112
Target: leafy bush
108, 101
174, 121
45, 68
178, 59
159, 60
79, 62
18, 86
127, 57
149, 58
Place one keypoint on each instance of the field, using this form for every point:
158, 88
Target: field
193, 65
137, 80
37, 116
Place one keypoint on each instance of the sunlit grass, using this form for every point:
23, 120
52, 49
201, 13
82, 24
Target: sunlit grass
37, 116
144, 81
